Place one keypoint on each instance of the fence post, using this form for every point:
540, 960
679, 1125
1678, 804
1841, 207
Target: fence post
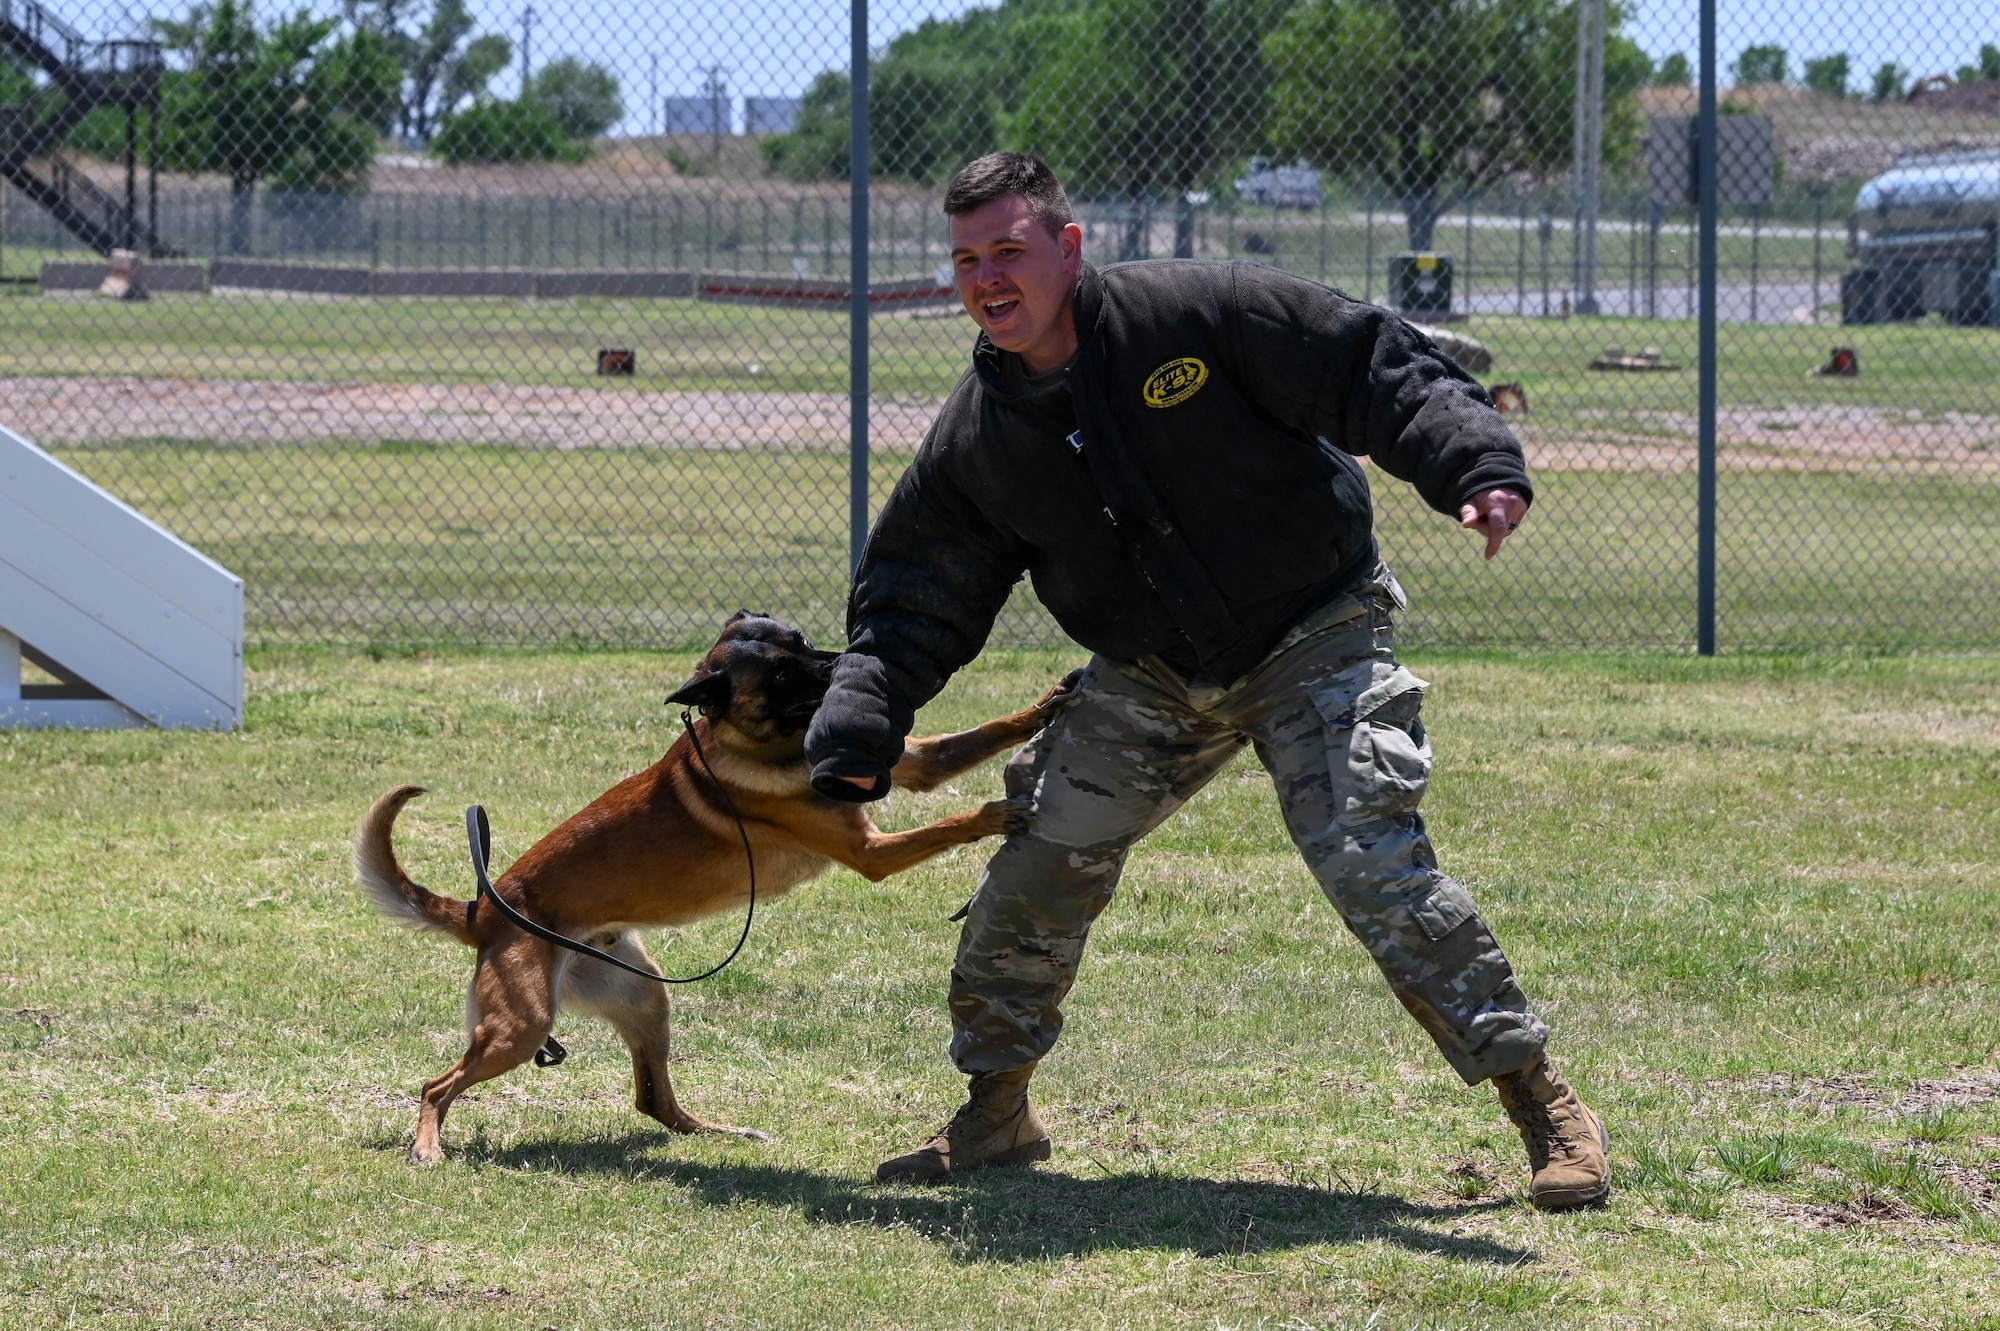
1705, 484
1465, 287
1521, 258
857, 305
1368, 258
1819, 224
1655, 215
1756, 234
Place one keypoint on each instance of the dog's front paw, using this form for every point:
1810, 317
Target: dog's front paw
1006, 817
1064, 690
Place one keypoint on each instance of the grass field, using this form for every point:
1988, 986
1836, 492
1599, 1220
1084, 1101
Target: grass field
1753, 897
400, 543
346, 537
690, 345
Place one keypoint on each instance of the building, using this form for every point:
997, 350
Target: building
699, 115
770, 115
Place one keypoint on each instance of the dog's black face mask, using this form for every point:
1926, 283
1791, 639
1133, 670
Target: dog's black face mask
762, 676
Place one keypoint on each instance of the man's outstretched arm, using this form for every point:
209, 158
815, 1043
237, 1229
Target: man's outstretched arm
1366, 382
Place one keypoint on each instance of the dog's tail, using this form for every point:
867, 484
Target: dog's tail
385, 884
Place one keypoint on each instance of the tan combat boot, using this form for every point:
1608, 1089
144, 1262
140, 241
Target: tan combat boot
995, 1126
1566, 1142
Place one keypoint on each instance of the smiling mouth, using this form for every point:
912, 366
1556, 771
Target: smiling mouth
1000, 309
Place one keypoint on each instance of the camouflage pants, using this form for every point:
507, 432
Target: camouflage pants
1335, 721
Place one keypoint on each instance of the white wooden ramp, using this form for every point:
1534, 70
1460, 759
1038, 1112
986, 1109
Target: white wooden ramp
140, 627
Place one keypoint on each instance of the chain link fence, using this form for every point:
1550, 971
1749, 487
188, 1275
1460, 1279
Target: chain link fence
536, 324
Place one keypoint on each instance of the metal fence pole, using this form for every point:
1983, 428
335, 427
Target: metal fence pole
1819, 227
1705, 485
857, 316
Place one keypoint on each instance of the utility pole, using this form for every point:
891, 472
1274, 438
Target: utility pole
1589, 151
527, 48
653, 94
718, 105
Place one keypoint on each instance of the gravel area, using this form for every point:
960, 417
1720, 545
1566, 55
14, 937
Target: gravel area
77, 411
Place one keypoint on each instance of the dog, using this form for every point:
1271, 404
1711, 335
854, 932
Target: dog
663, 848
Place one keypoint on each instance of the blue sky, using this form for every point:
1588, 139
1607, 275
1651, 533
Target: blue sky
775, 47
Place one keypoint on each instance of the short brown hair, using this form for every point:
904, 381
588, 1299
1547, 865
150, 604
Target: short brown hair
997, 175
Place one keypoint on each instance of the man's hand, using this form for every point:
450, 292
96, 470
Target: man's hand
1497, 513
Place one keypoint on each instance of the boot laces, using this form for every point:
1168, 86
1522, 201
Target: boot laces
1536, 1117
971, 1112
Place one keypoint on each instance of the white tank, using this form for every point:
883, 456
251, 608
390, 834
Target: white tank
1946, 192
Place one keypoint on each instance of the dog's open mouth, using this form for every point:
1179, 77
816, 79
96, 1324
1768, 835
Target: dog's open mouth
800, 714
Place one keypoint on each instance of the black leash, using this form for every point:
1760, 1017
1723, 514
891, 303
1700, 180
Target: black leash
479, 834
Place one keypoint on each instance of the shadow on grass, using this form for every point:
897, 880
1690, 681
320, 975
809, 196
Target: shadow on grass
1023, 1214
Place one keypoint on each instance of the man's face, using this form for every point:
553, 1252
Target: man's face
1016, 279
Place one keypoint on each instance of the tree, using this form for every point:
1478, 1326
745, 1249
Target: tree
17, 81
1828, 75
285, 104
1135, 100
583, 97
1138, 100
1891, 79
818, 147
1674, 72
466, 78
443, 65
1987, 68
1440, 99
1760, 64
522, 131
934, 99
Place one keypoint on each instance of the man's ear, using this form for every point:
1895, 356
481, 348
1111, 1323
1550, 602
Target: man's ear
708, 691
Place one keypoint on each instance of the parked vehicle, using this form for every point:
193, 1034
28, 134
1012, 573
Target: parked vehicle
1294, 186
1923, 236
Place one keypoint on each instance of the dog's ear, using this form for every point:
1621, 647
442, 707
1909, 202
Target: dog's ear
707, 691
740, 614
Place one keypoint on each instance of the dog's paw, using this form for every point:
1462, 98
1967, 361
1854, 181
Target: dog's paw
1006, 817
1064, 690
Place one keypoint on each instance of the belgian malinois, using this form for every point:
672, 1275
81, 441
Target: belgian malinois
662, 848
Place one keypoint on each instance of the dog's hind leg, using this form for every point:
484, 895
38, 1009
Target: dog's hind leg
510, 1011
640, 1011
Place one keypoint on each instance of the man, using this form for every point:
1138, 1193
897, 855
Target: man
1167, 449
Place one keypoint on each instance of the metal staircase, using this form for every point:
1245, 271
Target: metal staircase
82, 76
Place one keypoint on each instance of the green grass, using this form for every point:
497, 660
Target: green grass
1752, 896
400, 542
413, 540
681, 344
1932, 368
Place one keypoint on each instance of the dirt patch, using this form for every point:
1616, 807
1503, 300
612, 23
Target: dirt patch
1969, 1087
1979, 1182
1936, 726
1869, 1212
1819, 438
83, 411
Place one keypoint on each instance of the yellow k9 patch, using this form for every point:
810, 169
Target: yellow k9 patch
1175, 382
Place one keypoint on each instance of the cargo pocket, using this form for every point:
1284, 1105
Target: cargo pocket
1376, 751
1447, 907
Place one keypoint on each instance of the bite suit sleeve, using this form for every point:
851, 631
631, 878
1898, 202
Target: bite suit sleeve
932, 580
